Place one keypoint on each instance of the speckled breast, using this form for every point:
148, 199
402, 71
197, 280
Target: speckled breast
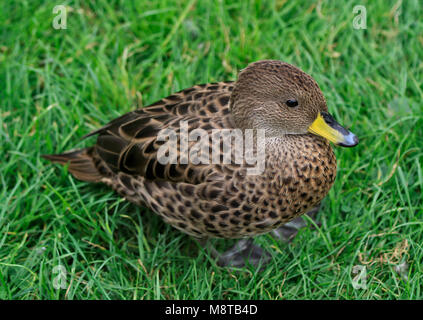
299, 172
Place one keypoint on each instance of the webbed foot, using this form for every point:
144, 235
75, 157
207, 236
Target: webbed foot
243, 253
246, 253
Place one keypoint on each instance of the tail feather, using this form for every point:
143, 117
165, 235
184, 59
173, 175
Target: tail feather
81, 164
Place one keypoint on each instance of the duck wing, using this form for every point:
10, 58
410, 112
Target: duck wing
130, 144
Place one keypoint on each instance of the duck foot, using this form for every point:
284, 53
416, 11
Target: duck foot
243, 253
289, 230
246, 253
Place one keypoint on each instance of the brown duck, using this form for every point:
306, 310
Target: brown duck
222, 200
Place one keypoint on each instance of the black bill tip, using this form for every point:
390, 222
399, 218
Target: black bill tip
350, 140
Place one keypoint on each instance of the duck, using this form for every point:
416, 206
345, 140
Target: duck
287, 116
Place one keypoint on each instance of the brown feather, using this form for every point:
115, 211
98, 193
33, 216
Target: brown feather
81, 164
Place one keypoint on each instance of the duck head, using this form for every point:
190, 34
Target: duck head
282, 99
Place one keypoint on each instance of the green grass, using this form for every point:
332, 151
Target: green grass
57, 85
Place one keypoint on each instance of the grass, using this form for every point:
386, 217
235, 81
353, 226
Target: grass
57, 85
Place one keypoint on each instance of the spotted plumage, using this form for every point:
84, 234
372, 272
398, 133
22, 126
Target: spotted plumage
219, 200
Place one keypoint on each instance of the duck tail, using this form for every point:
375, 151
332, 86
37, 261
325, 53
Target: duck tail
81, 164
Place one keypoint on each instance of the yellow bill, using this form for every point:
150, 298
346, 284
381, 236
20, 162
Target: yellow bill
327, 127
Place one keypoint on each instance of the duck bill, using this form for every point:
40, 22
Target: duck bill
327, 127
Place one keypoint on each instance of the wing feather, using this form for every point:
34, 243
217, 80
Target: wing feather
129, 143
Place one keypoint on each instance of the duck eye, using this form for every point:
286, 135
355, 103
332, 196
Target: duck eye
292, 103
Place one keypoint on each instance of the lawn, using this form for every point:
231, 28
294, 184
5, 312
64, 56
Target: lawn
65, 239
